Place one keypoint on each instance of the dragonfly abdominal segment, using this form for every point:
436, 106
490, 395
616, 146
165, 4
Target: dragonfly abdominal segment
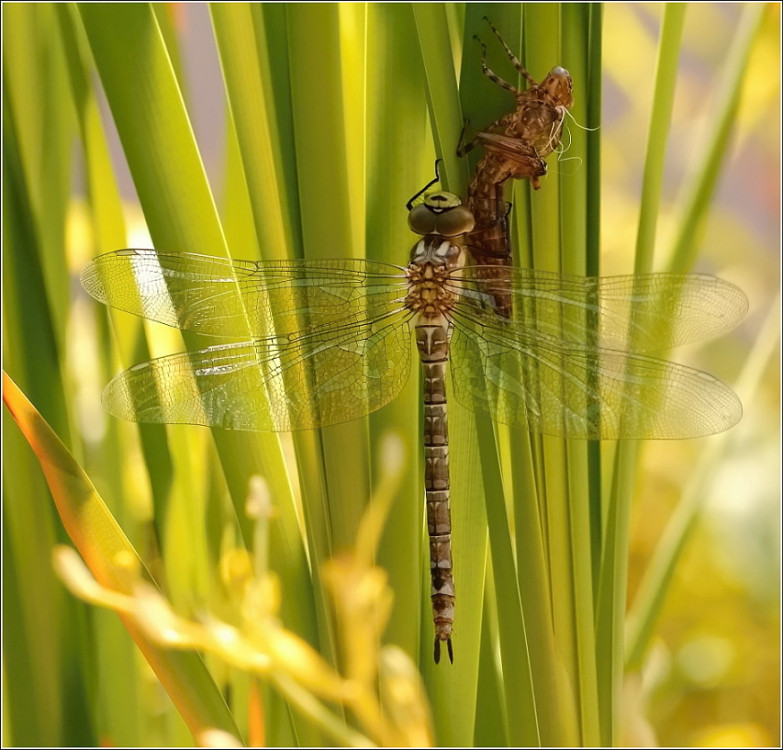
432, 341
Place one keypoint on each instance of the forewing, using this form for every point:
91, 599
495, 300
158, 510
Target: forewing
644, 313
241, 299
568, 391
274, 384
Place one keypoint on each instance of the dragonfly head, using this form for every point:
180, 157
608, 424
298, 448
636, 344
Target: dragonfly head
441, 213
559, 87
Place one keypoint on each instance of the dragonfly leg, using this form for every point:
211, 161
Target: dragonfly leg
465, 148
409, 204
489, 73
511, 56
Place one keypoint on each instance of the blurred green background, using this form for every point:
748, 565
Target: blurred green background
713, 677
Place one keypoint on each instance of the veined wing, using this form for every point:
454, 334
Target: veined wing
562, 389
279, 383
242, 299
642, 313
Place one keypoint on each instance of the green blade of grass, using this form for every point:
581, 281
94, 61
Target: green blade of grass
120, 700
707, 166
542, 46
593, 97
610, 610
442, 96
31, 43
103, 546
241, 36
399, 158
44, 709
330, 167
326, 172
241, 43
153, 126
549, 235
515, 642
658, 135
583, 471
491, 718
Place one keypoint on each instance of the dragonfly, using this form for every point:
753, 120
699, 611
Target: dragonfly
320, 342
515, 147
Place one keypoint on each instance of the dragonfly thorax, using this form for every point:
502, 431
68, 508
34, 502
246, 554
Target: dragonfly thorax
432, 263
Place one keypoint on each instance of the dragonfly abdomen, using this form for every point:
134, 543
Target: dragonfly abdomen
432, 340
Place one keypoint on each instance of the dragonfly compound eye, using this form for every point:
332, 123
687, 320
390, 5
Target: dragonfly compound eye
422, 220
441, 213
455, 221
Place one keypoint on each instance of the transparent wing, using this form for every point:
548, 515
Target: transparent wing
275, 384
556, 388
642, 313
241, 299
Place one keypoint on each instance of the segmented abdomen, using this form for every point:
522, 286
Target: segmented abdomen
432, 340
